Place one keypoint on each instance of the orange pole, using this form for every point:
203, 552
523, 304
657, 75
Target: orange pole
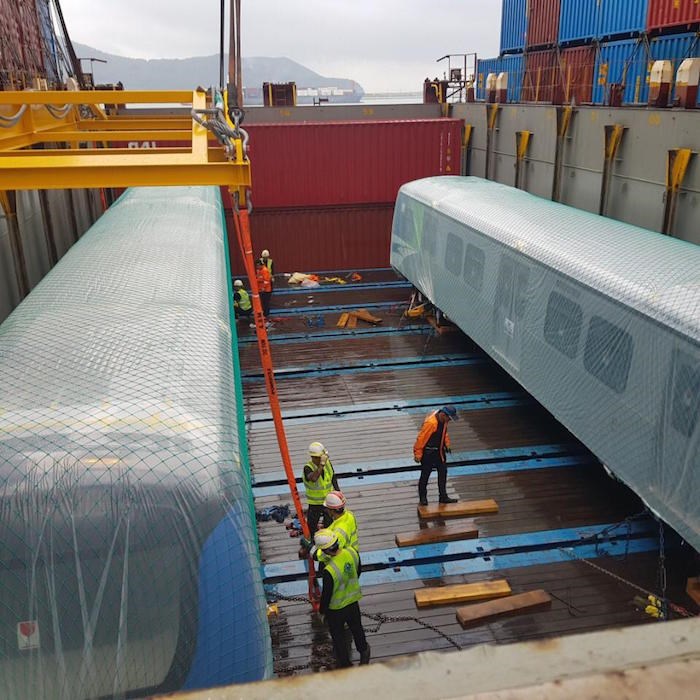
242, 224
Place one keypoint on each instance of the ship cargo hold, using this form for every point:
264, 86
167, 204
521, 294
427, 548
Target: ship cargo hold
151, 443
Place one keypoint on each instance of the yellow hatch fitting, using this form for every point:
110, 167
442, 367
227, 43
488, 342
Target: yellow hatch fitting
613, 139
522, 142
677, 162
78, 139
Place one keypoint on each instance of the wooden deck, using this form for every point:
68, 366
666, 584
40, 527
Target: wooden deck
338, 388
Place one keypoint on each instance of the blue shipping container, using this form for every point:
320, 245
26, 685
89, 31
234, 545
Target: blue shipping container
511, 64
579, 20
616, 59
622, 17
675, 48
513, 25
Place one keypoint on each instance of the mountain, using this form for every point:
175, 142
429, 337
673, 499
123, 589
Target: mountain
186, 73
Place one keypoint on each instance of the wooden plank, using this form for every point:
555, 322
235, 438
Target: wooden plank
532, 601
366, 316
342, 320
445, 533
457, 510
461, 593
352, 320
693, 589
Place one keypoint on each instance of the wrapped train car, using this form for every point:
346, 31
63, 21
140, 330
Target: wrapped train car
128, 551
597, 319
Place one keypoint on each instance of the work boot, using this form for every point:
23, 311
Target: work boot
447, 499
364, 656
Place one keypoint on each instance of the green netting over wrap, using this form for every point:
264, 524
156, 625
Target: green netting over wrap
128, 561
597, 319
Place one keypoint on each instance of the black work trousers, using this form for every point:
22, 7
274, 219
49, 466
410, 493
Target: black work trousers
337, 619
265, 301
432, 460
314, 514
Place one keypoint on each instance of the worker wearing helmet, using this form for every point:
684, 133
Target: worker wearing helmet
264, 278
340, 597
343, 523
430, 450
267, 262
319, 480
242, 306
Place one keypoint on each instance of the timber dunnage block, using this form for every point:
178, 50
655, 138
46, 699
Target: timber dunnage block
343, 319
461, 509
367, 317
461, 593
445, 533
693, 589
352, 320
481, 613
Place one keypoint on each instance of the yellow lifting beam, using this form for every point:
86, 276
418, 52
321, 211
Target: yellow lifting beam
70, 139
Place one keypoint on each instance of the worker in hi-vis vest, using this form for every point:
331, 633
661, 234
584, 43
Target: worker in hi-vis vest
242, 305
340, 597
430, 450
343, 523
319, 480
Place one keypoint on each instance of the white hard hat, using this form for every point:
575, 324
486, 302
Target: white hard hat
238, 283
325, 539
265, 254
316, 449
334, 500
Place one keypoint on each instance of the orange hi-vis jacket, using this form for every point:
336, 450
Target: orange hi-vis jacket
430, 425
264, 279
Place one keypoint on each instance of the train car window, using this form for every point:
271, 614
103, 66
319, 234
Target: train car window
562, 324
454, 254
474, 263
430, 232
608, 353
685, 408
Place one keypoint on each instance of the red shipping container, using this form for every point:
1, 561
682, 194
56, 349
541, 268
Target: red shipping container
330, 238
577, 68
542, 23
331, 163
542, 81
672, 13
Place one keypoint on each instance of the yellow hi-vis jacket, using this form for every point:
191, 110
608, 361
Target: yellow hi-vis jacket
346, 528
317, 491
244, 304
346, 585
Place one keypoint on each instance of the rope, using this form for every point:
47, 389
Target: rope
7, 122
58, 112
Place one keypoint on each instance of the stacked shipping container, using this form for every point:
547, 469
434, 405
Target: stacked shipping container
564, 50
21, 45
324, 192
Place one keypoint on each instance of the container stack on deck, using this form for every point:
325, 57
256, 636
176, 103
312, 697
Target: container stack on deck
559, 51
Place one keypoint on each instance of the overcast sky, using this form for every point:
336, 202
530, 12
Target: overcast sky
383, 44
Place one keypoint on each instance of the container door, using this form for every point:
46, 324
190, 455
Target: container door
509, 310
